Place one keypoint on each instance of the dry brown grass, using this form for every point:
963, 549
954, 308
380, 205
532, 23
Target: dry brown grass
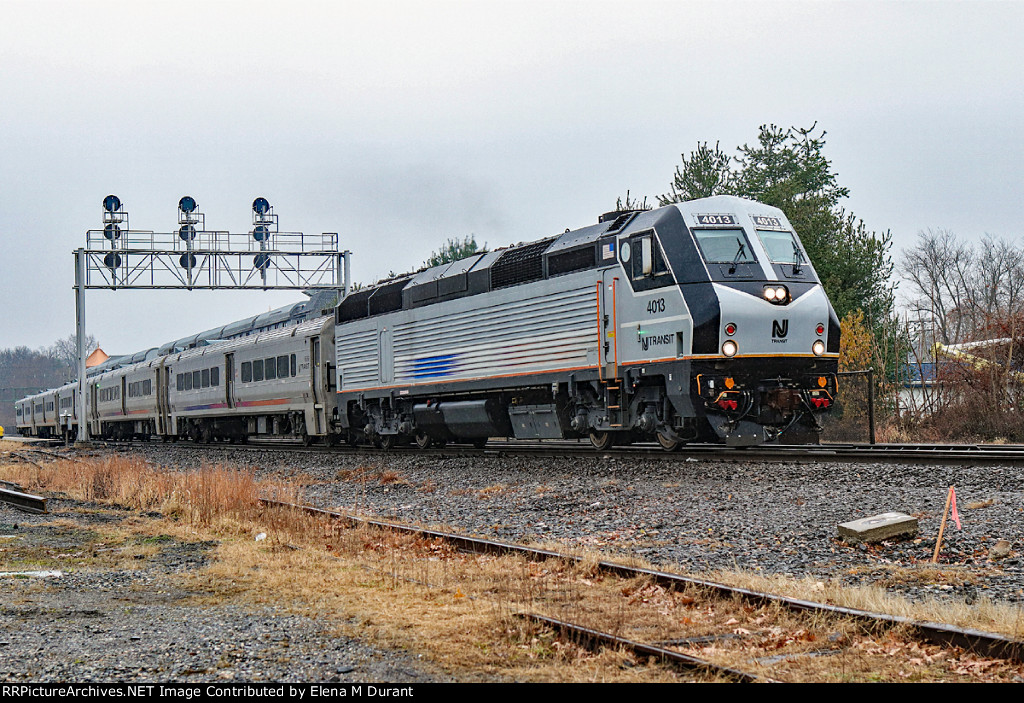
365, 475
491, 491
458, 611
205, 497
985, 614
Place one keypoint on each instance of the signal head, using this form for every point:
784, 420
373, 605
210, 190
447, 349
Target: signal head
261, 206
187, 204
111, 203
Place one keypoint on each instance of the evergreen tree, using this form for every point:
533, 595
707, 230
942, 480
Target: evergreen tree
787, 168
706, 173
631, 203
453, 250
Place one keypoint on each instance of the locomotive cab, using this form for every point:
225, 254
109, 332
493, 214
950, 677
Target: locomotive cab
765, 366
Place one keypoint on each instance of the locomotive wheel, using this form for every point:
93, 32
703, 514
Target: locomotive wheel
387, 442
423, 441
479, 443
601, 440
668, 444
307, 440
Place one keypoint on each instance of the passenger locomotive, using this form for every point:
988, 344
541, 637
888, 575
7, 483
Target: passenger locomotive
696, 322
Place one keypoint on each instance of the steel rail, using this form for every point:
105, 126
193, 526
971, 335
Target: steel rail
591, 639
24, 501
977, 641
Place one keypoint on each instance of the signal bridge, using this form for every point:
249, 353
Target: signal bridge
195, 258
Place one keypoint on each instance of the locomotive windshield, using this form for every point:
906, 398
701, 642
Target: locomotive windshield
782, 247
724, 246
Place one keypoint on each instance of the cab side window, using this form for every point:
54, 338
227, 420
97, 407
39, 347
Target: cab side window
644, 261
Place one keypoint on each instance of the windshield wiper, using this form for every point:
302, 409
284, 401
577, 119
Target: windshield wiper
736, 259
798, 255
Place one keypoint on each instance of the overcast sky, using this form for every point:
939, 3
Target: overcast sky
402, 124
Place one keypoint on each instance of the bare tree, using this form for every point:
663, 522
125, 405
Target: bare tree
65, 352
960, 289
935, 269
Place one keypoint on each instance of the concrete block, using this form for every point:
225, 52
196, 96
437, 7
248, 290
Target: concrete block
879, 527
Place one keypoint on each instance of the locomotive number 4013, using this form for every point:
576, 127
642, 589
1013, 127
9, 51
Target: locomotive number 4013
716, 220
656, 305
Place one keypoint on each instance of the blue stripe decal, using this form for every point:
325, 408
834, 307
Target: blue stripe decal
434, 366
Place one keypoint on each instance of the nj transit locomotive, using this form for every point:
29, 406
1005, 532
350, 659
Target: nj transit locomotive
701, 321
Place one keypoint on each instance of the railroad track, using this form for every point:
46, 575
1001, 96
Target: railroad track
985, 644
1012, 455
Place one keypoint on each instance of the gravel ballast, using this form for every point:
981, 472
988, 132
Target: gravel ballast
139, 625
690, 515
693, 514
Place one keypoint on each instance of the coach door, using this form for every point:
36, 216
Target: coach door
92, 411
164, 403
229, 380
316, 370
161, 400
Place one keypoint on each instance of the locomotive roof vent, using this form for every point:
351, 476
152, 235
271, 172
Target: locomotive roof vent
618, 219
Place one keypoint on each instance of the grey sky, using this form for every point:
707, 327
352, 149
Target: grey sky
402, 124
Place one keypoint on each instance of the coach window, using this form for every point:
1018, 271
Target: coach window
181, 382
246, 371
206, 378
282, 366
291, 363
188, 381
215, 376
257, 370
197, 380
147, 387
271, 368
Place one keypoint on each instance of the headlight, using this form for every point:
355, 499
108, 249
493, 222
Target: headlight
776, 294
818, 348
729, 348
